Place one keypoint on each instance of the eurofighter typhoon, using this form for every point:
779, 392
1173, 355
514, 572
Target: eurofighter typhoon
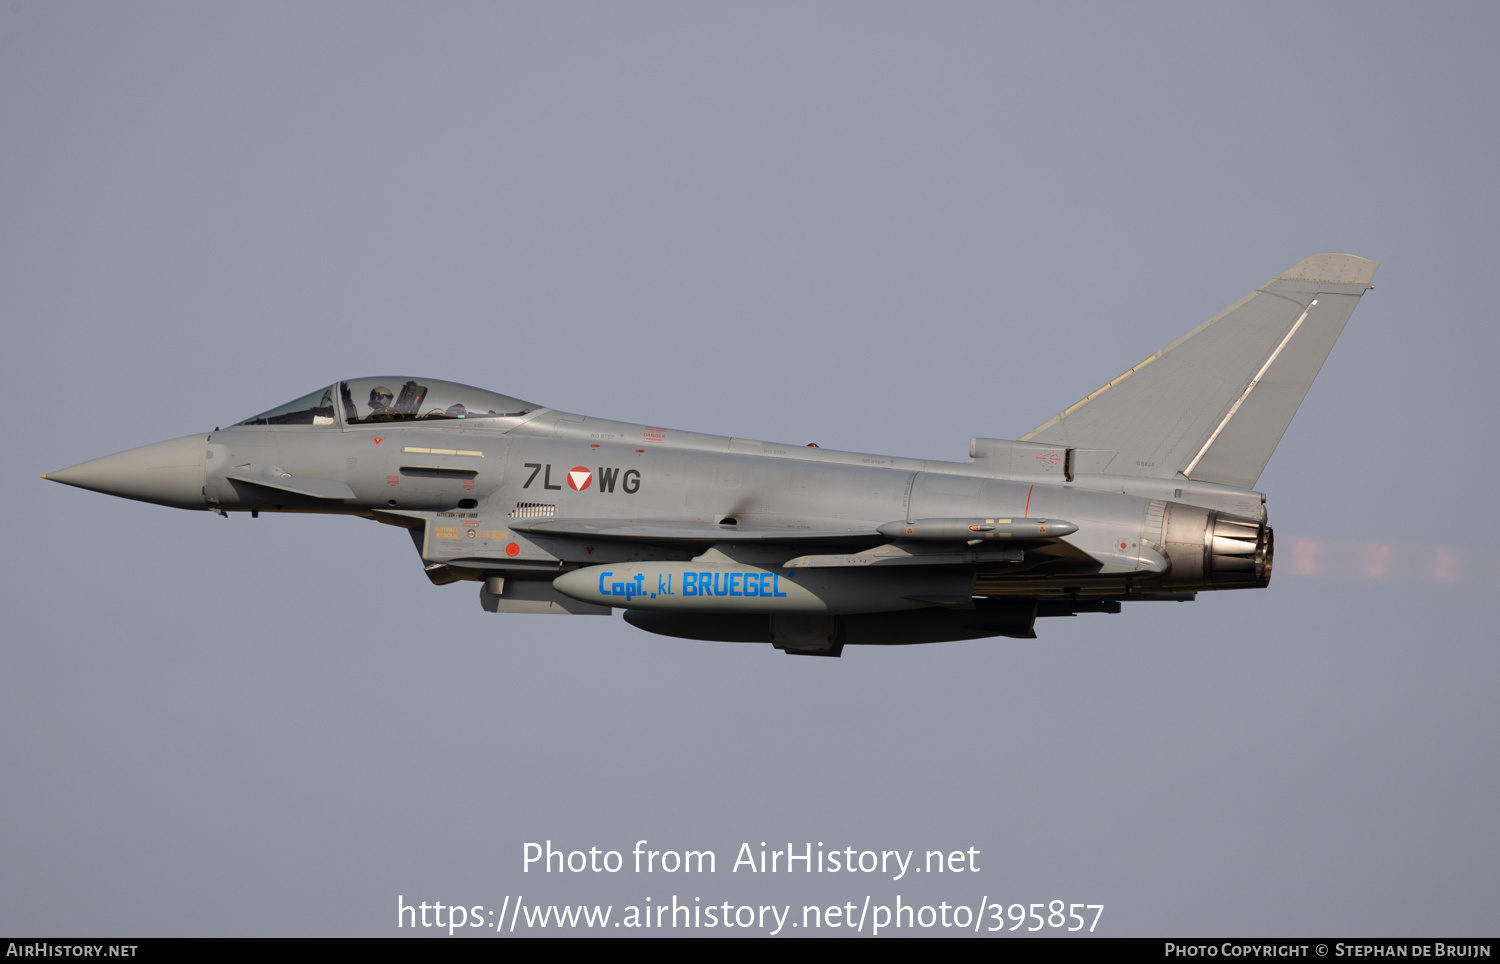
1143, 490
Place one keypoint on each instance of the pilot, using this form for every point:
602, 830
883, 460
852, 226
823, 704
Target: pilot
380, 403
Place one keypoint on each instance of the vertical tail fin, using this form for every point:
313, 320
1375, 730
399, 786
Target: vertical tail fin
1213, 404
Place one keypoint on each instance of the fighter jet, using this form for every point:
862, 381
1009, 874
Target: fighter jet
1142, 490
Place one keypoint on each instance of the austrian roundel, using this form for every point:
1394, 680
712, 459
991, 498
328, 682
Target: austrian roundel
579, 478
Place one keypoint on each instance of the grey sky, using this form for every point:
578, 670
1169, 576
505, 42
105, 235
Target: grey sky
877, 227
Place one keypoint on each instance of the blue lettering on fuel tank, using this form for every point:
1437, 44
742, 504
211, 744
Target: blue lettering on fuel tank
630, 588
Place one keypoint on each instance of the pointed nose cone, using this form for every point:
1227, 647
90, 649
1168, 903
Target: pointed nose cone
167, 473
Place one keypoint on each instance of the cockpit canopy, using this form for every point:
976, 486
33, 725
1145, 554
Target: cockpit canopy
393, 399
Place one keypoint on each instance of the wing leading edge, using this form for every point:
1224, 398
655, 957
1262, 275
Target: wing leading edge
1213, 404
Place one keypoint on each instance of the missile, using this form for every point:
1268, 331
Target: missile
908, 555
971, 530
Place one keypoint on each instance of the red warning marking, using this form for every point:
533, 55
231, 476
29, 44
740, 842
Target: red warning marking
469, 484
579, 478
1048, 459
512, 550
1122, 545
393, 480
1027, 512
378, 439
589, 550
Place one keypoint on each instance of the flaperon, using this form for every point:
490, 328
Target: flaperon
1142, 490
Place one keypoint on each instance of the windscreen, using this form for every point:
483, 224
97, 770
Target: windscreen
315, 408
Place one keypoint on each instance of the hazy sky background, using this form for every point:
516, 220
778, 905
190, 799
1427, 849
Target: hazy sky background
878, 227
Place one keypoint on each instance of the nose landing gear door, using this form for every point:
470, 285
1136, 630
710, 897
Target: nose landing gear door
249, 455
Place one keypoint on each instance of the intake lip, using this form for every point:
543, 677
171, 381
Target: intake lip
166, 473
